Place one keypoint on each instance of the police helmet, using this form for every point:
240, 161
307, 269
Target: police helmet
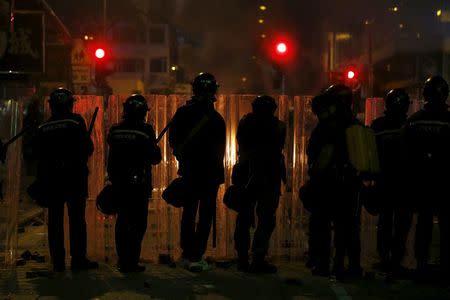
205, 85
264, 104
341, 93
135, 107
436, 89
61, 101
323, 106
397, 101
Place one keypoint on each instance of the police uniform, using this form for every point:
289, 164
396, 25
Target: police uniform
261, 140
394, 208
62, 147
132, 152
336, 185
427, 137
3, 150
200, 151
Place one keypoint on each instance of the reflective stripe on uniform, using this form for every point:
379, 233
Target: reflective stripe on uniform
58, 122
430, 123
388, 132
125, 131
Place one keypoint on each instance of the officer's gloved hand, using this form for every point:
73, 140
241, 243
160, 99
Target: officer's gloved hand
367, 179
369, 183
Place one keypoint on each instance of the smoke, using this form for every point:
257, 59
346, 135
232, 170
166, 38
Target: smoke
222, 34
179, 7
226, 35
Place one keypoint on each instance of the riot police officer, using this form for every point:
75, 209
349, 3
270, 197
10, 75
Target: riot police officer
427, 138
132, 152
337, 182
3, 151
261, 138
62, 148
315, 199
197, 137
395, 215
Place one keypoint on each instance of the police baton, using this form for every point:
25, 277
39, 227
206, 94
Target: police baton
17, 136
94, 117
163, 132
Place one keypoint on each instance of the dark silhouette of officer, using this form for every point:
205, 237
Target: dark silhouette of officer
261, 138
394, 207
3, 150
32, 119
427, 138
197, 136
132, 152
316, 200
336, 184
62, 148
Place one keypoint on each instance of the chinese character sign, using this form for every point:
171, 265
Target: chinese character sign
24, 50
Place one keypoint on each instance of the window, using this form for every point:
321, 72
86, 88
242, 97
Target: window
158, 65
157, 35
128, 35
130, 65
123, 35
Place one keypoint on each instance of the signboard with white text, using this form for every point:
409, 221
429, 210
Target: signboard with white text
24, 50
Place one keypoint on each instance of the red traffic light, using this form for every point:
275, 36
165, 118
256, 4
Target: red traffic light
351, 74
100, 53
281, 48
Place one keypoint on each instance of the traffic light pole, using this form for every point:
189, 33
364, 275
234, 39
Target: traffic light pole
283, 84
370, 57
104, 19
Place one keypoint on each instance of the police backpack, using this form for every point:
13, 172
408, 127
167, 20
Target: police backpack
362, 149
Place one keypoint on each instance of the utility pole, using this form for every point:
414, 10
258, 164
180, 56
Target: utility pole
104, 19
283, 83
371, 75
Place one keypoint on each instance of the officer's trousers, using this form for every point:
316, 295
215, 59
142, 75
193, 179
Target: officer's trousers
131, 225
393, 227
347, 229
77, 230
266, 203
424, 232
194, 236
319, 239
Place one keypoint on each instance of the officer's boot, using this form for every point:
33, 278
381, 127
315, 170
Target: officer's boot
260, 265
83, 264
58, 265
243, 262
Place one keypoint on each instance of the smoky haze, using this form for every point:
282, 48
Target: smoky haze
229, 35
226, 34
